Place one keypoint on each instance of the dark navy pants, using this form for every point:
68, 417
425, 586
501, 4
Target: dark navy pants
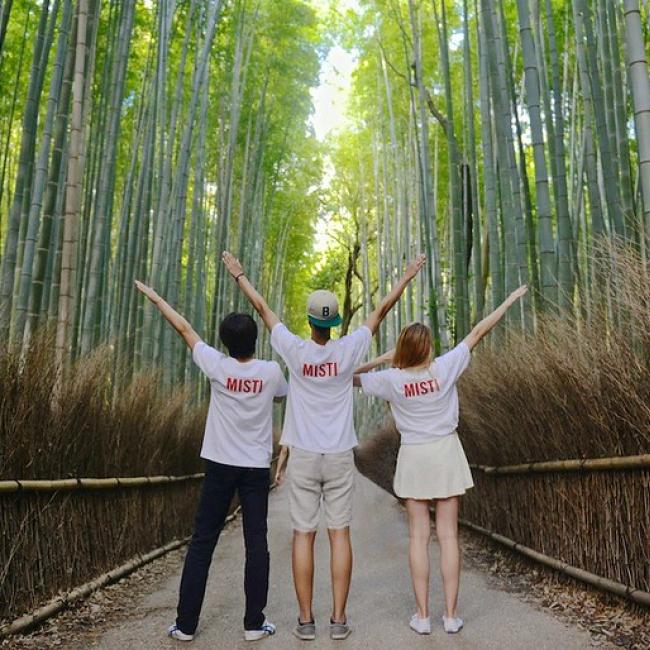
219, 486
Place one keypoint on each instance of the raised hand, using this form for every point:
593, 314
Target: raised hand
147, 291
387, 357
233, 265
415, 265
518, 293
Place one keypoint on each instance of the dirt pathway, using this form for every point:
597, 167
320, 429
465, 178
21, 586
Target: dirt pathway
381, 600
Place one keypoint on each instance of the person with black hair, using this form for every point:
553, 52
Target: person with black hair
237, 449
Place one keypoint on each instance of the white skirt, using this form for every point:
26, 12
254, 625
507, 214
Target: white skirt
432, 470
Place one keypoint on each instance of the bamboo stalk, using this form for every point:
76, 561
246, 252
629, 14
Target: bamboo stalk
46, 485
642, 461
605, 584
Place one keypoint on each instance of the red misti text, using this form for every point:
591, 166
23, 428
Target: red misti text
416, 388
237, 385
329, 369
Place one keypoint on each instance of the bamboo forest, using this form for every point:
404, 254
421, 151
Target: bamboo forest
325, 144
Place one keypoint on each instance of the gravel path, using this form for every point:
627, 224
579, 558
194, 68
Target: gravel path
380, 602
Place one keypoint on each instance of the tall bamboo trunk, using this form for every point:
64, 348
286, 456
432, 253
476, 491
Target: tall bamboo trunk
30, 118
73, 192
640, 88
543, 195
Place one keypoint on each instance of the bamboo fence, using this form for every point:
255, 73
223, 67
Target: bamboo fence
590, 521
59, 603
640, 461
618, 588
61, 533
57, 485
50, 527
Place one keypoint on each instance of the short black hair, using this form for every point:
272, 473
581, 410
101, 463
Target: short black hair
238, 332
324, 332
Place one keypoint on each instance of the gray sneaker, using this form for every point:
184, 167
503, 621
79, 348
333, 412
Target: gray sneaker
305, 631
339, 631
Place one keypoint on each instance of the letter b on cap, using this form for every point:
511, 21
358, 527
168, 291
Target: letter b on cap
326, 311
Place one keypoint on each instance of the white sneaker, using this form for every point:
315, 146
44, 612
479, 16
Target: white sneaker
267, 629
175, 633
452, 625
420, 625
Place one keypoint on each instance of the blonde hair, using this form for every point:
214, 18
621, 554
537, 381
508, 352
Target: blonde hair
414, 347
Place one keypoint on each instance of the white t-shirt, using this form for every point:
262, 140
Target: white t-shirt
424, 402
319, 407
239, 427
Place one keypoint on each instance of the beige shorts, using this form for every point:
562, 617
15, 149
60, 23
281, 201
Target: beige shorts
314, 477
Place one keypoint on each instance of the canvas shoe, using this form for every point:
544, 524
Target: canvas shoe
267, 629
452, 625
175, 633
339, 631
420, 625
305, 631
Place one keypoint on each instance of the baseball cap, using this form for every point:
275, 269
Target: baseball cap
323, 309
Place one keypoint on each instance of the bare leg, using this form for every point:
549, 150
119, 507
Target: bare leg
303, 572
447, 533
341, 568
419, 537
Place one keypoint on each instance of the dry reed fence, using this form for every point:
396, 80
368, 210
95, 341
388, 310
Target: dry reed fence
55, 541
578, 389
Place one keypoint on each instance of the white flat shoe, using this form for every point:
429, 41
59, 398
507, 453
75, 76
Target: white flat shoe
175, 633
452, 625
267, 629
420, 625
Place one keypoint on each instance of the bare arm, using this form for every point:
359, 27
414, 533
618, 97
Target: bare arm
485, 326
279, 467
260, 305
172, 316
387, 357
378, 315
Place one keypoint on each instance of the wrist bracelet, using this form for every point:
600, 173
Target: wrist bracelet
239, 276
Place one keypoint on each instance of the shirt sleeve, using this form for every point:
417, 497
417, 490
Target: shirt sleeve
359, 344
376, 383
281, 387
207, 359
284, 342
455, 361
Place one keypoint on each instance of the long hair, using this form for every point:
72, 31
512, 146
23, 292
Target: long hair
414, 346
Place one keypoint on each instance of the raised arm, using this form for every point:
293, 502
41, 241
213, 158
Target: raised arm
387, 357
485, 326
260, 305
378, 315
173, 317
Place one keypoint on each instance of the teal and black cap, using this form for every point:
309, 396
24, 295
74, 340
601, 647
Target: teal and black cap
323, 309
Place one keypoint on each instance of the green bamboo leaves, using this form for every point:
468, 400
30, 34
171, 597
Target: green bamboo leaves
503, 138
153, 136
525, 157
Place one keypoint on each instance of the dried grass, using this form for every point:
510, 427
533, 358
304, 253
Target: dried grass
53, 542
96, 431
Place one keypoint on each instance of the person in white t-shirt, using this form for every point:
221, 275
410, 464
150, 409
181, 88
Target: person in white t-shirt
319, 430
237, 448
431, 463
